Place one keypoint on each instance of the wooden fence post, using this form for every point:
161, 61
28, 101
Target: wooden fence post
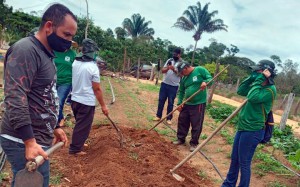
152, 73
297, 107
215, 84
124, 61
282, 103
237, 85
158, 71
138, 70
286, 112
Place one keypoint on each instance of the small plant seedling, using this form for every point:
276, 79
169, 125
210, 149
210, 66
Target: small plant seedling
134, 156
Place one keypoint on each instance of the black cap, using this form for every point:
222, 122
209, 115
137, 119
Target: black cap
266, 64
181, 65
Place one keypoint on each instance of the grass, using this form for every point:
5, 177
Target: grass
164, 132
219, 150
134, 156
202, 174
149, 87
55, 179
229, 138
69, 123
3, 175
203, 136
267, 164
275, 184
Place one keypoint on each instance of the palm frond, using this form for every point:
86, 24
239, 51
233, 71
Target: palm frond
184, 24
136, 26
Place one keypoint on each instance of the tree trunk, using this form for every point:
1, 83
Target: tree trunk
87, 20
158, 72
124, 61
138, 70
194, 53
286, 112
128, 65
152, 73
297, 107
215, 83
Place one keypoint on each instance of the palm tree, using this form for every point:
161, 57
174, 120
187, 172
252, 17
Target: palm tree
121, 33
199, 21
137, 27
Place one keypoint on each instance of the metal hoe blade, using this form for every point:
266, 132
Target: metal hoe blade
28, 179
29, 176
118, 131
176, 176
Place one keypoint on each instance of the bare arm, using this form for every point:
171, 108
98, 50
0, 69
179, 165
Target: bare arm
99, 95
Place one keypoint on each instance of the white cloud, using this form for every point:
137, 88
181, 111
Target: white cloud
259, 28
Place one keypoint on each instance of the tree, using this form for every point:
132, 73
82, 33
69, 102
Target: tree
110, 32
137, 27
213, 52
121, 33
276, 59
199, 21
233, 50
288, 78
5, 12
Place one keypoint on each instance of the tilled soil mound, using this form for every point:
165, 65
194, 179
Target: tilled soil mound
145, 160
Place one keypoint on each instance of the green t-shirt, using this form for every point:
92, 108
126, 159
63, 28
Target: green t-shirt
253, 115
63, 62
191, 84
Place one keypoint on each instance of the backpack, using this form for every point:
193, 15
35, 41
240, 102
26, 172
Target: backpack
269, 124
269, 127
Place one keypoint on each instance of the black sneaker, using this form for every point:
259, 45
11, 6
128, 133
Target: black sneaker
178, 142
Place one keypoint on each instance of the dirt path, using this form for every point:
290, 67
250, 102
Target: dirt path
294, 124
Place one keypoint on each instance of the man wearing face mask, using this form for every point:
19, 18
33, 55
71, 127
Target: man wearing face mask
30, 120
169, 86
86, 89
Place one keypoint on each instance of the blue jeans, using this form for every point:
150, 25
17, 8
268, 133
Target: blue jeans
245, 143
15, 153
62, 92
166, 92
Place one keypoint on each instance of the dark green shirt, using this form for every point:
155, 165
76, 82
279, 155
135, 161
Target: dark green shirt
191, 84
253, 115
63, 62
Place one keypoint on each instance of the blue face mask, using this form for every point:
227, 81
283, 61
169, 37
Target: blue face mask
57, 43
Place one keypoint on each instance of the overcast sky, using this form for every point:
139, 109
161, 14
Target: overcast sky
258, 28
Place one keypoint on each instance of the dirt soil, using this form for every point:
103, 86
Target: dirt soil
145, 160
148, 156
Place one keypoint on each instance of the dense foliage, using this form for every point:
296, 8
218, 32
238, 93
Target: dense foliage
219, 112
285, 140
136, 37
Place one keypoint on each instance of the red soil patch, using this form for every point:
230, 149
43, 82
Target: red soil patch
145, 160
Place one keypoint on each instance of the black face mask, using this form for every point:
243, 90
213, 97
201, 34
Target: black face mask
175, 58
57, 43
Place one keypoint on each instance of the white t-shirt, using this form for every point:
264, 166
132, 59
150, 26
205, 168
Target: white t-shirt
170, 77
83, 74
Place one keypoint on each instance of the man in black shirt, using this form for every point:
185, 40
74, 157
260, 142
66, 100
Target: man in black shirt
30, 120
